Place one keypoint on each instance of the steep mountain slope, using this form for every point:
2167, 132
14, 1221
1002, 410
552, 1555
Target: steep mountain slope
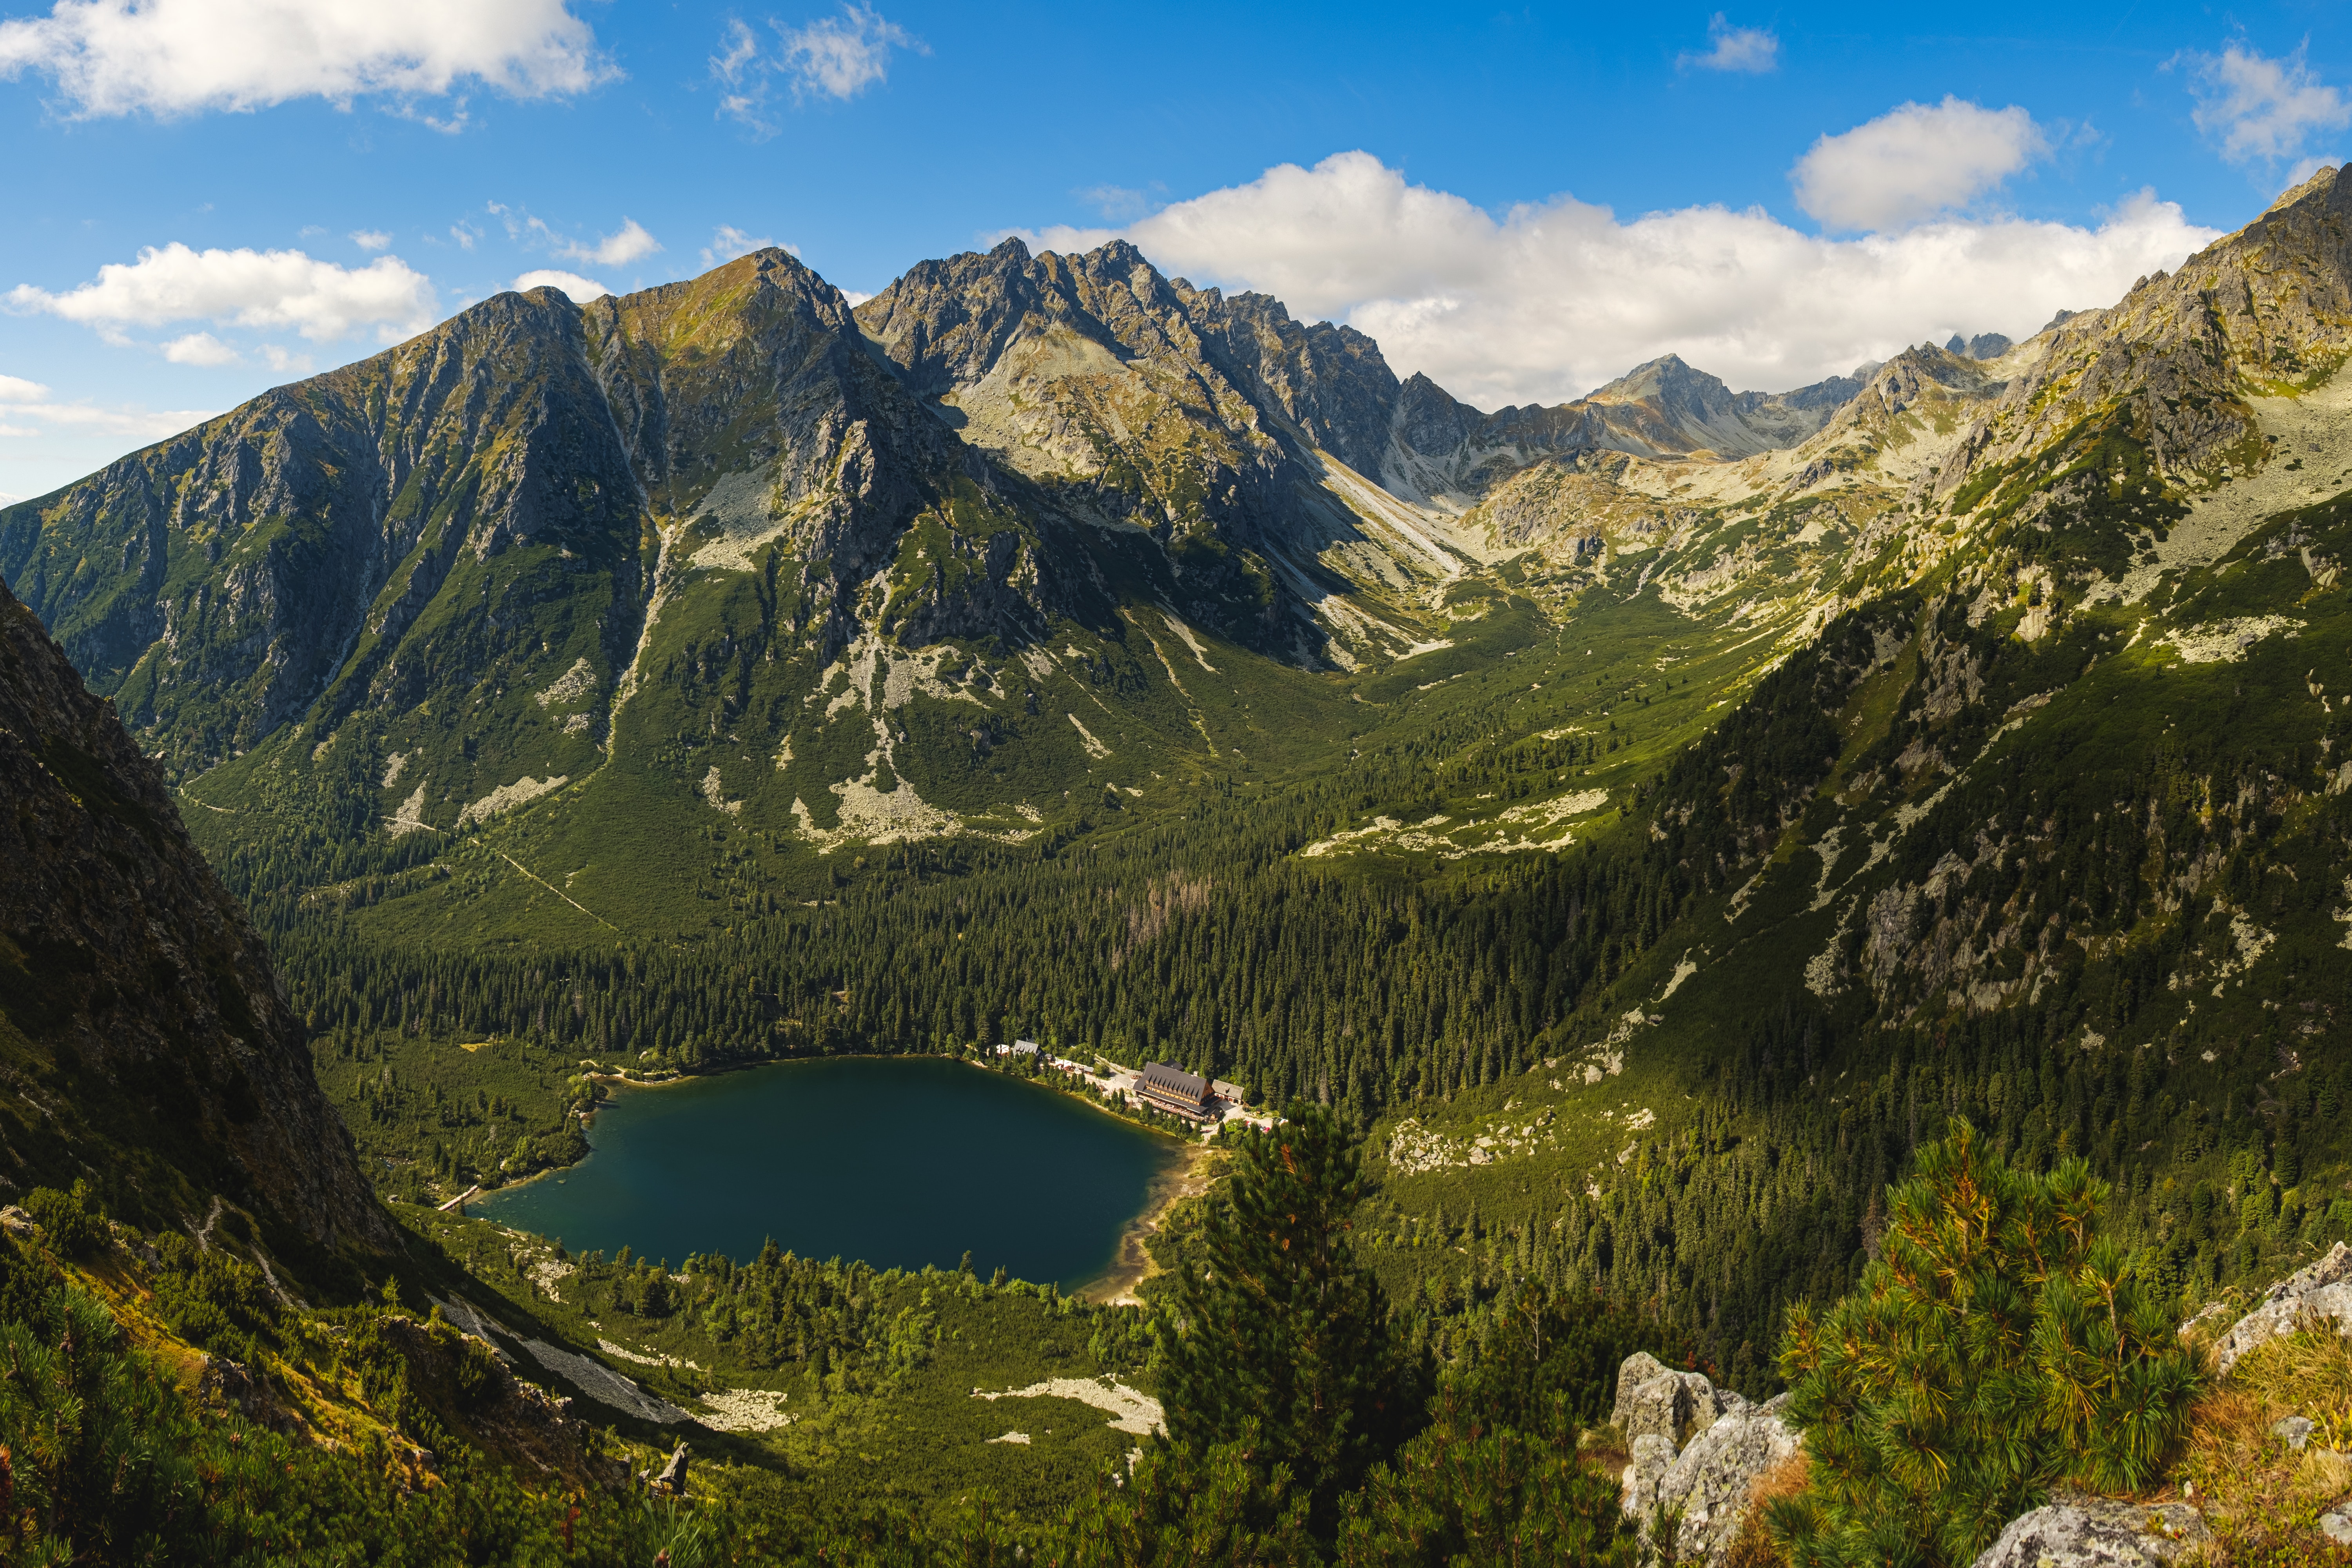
145, 1041
1132, 399
696, 556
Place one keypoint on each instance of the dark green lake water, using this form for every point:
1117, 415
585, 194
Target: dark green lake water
897, 1161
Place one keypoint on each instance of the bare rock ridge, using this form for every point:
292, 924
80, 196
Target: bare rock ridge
2172, 363
1097, 370
142, 1031
2322, 1292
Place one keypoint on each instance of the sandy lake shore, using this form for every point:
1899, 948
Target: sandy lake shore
1187, 1178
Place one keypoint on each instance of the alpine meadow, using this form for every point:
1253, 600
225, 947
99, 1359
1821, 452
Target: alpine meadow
1738, 980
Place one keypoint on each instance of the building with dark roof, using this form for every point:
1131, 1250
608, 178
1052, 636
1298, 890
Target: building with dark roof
1168, 1089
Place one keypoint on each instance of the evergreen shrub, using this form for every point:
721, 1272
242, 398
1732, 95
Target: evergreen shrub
2000, 1346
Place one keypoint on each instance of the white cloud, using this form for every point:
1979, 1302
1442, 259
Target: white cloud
581, 289
16, 389
179, 57
464, 234
2263, 108
128, 421
841, 56
272, 288
727, 242
624, 244
284, 362
199, 348
1912, 162
834, 56
1754, 49
7, 499
371, 238
1556, 297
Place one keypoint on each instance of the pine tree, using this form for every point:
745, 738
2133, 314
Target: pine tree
1280, 1330
1468, 1490
2000, 1346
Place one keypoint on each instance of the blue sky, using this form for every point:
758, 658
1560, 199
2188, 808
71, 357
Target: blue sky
1522, 202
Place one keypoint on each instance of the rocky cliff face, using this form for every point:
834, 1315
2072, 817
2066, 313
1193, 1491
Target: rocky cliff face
1127, 399
145, 1039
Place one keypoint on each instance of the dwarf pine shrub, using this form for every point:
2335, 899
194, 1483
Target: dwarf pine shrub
1998, 1347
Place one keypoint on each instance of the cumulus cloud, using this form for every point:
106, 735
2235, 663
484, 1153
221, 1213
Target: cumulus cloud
1912, 162
834, 56
581, 289
16, 389
626, 243
264, 289
179, 57
199, 348
1555, 298
371, 238
1755, 49
2256, 107
1119, 203
727, 242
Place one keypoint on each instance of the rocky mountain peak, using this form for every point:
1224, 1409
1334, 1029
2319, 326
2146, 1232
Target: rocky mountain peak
1669, 385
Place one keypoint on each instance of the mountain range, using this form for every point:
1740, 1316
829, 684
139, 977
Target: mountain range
484, 542
724, 644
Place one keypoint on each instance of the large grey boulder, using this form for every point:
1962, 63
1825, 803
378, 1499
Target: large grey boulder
1697, 1449
2073, 1530
2323, 1291
1655, 1401
1714, 1479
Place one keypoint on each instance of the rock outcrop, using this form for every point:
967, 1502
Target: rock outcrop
2322, 1291
2074, 1530
1655, 1401
1698, 1451
145, 1042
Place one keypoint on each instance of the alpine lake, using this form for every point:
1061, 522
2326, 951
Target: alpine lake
896, 1161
